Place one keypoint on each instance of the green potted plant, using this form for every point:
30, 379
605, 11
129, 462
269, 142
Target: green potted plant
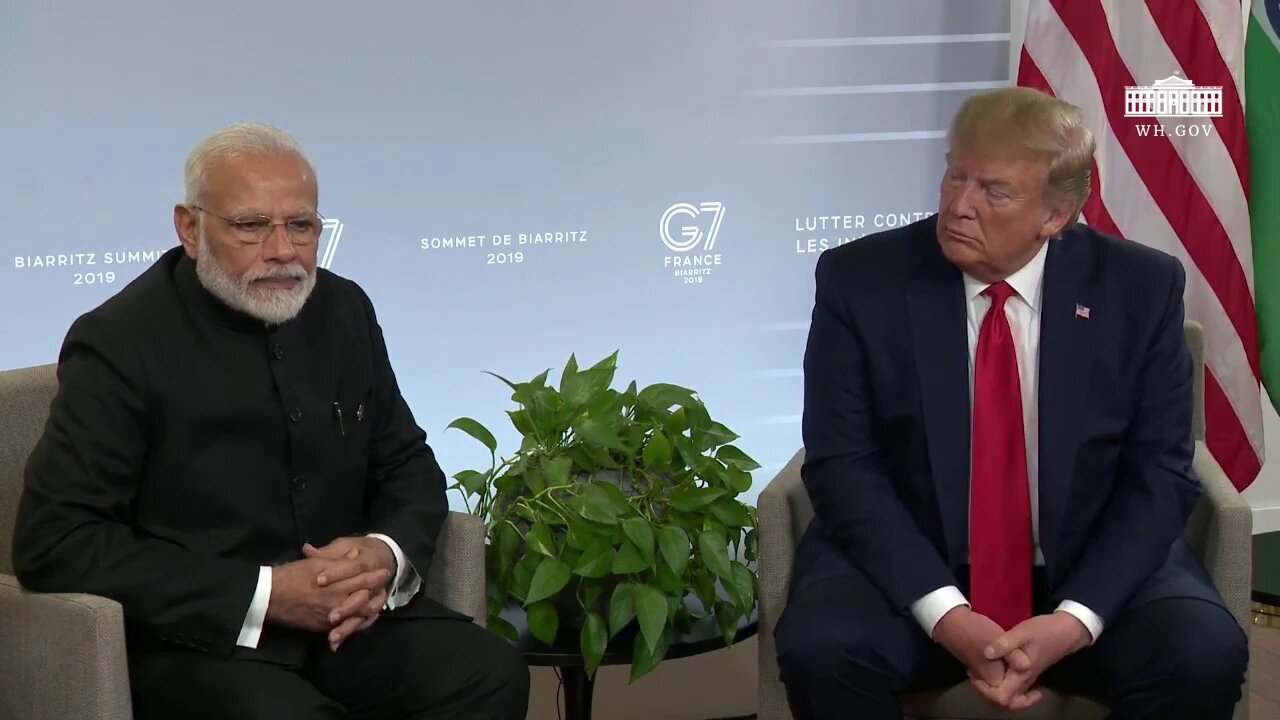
616, 507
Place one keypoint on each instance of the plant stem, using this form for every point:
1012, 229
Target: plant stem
488, 494
645, 506
566, 511
552, 505
549, 488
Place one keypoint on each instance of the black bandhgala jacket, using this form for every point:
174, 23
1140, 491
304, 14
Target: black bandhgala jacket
189, 444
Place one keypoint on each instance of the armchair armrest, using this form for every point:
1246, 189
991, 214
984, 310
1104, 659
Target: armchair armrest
63, 655
1220, 531
783, 512
456, 578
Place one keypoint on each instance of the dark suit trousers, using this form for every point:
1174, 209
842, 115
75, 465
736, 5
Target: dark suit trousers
403, 669
845, 653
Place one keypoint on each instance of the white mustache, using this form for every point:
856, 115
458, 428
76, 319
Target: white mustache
288, 272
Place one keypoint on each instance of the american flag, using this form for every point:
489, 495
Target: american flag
1179, 181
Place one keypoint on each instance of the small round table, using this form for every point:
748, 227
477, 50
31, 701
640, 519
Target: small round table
703, 636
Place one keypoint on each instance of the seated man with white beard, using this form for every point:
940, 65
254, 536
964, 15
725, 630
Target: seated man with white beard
229, 457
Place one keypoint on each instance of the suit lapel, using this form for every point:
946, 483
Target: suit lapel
939, 332
1065, 341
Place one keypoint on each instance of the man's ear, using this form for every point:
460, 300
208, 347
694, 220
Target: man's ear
187, 225
1061, 214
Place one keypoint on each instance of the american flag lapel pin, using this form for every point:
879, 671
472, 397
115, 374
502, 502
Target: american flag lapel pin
1082, 312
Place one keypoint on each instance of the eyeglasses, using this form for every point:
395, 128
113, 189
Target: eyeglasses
255, 229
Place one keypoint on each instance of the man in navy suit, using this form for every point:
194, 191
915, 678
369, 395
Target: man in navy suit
997, 429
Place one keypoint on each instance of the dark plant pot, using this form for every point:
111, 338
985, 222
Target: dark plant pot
622, 480
615, 478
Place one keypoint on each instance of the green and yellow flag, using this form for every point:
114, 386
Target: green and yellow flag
1262, 120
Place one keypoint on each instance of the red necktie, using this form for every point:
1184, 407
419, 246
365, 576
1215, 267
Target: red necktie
1000, 552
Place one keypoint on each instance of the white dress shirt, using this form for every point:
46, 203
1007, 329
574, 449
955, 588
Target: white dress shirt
405, 584
1023, 312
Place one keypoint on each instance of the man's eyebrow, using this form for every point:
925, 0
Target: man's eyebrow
256, 212
1001, 183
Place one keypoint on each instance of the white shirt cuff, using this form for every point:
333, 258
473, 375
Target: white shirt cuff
406, 582
929, 609
251, 631
1091, 621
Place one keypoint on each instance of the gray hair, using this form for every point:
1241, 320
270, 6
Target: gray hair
1034, 122
234, 141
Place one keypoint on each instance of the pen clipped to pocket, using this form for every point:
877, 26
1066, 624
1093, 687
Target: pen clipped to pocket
341, 419
339, 423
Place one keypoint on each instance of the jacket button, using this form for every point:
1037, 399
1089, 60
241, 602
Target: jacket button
295, 414
277, 352
299, 483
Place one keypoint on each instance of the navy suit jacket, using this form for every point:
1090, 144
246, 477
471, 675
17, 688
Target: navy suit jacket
887, 421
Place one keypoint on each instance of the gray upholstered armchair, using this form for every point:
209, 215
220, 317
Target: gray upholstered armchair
62, 656
1220, 531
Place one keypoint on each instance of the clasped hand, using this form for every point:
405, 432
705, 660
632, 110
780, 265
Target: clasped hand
1004, 666
339, 588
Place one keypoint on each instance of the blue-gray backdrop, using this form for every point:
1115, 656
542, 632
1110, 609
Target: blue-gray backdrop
510, 181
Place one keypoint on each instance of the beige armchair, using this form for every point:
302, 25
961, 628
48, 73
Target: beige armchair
62, 655
1220, 530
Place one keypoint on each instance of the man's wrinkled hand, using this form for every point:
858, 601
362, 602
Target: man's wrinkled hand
297, 600
353, 555
358, 613
1029, 649
967, 635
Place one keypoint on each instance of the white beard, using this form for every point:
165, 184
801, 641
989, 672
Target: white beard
270, 305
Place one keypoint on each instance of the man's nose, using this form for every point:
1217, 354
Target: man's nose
962, 204
278, 246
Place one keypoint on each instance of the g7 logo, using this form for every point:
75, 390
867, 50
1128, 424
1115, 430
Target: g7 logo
690, 234
334, 228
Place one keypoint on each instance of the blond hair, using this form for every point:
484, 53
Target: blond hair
1023, 121
231, 142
